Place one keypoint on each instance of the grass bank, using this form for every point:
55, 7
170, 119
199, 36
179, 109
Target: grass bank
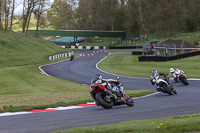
134, 68
22, 85
177, 124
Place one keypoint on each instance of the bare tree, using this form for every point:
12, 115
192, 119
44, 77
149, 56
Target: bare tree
41, 7
12, 14
1, 26
28, 7
142, 26
7, 4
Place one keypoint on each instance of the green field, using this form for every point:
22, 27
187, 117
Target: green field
134, 68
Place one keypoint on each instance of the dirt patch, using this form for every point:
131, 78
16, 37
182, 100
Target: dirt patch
48, 38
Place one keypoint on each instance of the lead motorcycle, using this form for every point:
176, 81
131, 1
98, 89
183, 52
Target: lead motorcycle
162, 84
107, 98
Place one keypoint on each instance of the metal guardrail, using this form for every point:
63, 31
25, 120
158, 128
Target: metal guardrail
167, 58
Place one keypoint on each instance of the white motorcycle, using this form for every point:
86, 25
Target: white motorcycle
179, 76
162, 84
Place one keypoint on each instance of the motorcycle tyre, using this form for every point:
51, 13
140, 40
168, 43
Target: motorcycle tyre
102, 102
176, 80
129, 103
184, 80
174, 91
167, 90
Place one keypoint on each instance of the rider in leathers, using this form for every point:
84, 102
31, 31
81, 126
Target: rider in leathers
110, 84
155, 74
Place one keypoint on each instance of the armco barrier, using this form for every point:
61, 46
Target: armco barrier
142, 53
54, 57
167, 58
85, 47
125, 47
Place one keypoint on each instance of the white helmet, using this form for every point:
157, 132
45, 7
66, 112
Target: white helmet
177, 71
172, 70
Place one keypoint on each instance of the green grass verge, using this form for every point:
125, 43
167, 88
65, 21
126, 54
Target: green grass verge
177, 124
134, 68
49, 100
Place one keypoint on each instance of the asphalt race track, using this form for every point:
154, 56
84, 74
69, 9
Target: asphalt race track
82, 70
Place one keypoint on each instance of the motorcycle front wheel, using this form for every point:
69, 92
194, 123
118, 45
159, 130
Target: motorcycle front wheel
100, 98
167, 90
184, 80
129, 100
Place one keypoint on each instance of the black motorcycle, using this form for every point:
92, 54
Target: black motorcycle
72, 58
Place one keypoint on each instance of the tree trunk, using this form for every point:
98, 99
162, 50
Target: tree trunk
28, 22
141, 18
170, 18
112, 24
37, 27
12, 14
1, 25
5, 15
23, 18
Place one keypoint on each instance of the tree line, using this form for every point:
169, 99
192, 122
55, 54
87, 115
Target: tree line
30, 7
137, 17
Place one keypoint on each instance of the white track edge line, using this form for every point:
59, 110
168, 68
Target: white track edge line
147, 95
51, 64
113, 73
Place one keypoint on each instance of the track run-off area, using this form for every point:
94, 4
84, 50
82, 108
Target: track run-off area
82, 69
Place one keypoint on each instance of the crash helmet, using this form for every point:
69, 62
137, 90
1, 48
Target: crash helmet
172, 70
98, 76
154, 73
97, 79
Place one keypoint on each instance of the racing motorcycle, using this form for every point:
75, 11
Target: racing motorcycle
72, 58
105, 97
183, 79
163, 84
180, 76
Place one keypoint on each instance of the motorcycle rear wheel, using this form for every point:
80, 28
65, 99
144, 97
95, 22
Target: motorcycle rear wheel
103, 102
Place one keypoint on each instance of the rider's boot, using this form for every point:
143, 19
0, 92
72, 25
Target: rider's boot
157, 88
96, 103
110, 93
